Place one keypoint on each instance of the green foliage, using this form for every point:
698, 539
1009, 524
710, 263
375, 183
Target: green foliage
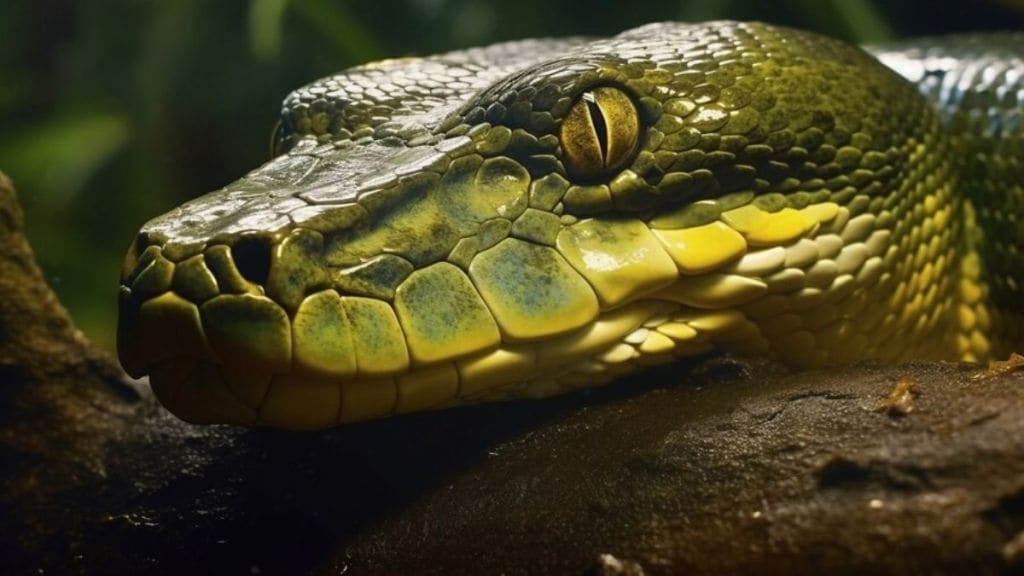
113, 111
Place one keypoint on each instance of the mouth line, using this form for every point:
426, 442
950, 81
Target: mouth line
202, 387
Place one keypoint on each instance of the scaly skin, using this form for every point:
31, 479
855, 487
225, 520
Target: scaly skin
533, 217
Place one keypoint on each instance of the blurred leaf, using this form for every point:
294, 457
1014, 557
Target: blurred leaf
56, 158
266, 20
17, 90
701, 10
855, 20
863, 20
164, 56
340, 28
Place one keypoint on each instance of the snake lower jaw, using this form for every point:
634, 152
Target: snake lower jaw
194, 391
204, 379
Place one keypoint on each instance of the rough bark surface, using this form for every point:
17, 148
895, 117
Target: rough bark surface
723, 467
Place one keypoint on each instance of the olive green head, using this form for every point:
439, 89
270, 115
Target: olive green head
520, 220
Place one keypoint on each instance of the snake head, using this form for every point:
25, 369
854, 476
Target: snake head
529, 218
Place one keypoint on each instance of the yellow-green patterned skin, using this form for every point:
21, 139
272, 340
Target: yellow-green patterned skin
534, 217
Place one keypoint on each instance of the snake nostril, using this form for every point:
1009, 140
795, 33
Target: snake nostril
252, 258
139, 256
142, 241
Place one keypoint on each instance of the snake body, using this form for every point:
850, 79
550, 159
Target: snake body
538, 216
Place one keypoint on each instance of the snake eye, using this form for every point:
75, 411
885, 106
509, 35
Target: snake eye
600, 133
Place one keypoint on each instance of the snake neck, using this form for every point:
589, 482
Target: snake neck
975, 83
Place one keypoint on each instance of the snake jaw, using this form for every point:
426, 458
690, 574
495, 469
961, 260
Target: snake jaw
250, 333
286, 347
242, 359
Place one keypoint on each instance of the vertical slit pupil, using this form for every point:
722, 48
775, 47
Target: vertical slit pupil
600, 126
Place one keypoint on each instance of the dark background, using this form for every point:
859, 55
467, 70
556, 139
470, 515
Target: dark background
112, 111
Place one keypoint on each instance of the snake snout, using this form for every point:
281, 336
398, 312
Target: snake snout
212, 325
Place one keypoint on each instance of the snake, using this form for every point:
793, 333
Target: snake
538, 216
